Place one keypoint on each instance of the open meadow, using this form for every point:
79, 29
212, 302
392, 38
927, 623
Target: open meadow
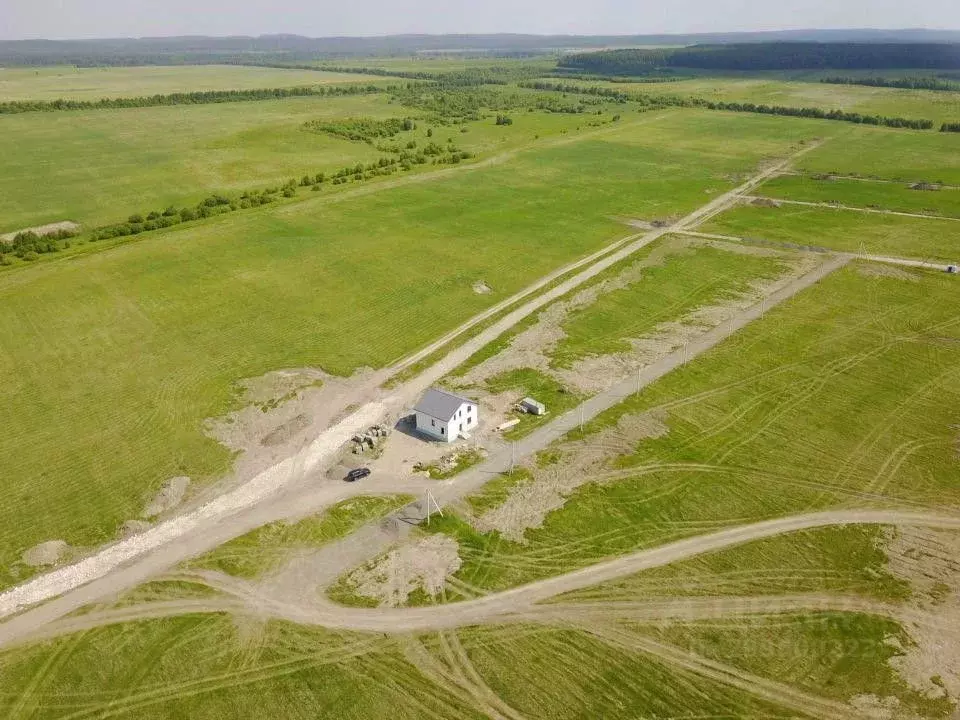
742, 444
99, 166
740, 500
861, 193
74, 83
930, 239
121, 355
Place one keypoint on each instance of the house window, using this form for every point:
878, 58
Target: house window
433, 423
443, 431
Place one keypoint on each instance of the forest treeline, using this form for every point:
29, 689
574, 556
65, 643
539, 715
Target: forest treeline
678, 101
770, 56
904, 83
190, 98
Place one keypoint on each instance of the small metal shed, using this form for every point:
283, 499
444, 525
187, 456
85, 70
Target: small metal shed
533, 407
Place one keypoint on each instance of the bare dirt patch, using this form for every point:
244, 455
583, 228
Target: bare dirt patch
882, 270
424, 564
481, 288
283, 433
133, 527
875, 707
764, 202
930, 561
529, 503
283, 410
42, 230
532, 348
169, 497
46, 553
595, 374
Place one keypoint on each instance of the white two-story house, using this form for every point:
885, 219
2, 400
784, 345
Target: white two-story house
445, 416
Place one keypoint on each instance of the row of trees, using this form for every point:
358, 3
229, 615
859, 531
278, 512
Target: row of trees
663, 75
677, 101
492, 75
157, 219
594, 90
906, 83
769, 56
805, 112
191, 98
28, 245
217, 204
362, 129
950, 127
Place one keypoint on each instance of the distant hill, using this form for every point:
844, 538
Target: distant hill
290, 48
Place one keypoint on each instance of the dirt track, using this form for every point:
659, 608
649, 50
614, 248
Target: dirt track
837, 206
521, 604
271, 494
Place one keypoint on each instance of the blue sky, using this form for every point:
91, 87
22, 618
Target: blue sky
318, 18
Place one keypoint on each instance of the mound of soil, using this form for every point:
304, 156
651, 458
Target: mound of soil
424, 564
133, 527
170, 495
46, 553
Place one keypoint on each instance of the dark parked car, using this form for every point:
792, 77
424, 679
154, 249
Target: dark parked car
356, 474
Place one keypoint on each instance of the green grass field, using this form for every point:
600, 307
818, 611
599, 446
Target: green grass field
827, 654
864, 194
266, 548
834, 560
889, 154
73, 83
764, 89
768, 411
207, 667
933, 239
683, 283
101, 166
115, 358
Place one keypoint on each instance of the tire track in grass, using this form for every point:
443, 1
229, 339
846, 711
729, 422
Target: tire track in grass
222, 681
861, 449
768, 690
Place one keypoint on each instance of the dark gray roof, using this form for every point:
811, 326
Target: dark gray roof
440, 404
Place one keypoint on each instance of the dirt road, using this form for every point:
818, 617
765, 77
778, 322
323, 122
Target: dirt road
889, 260
271, 494
837, 206
521, 604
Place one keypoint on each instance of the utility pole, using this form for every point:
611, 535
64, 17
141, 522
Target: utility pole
430, 499
638, 381
513, 455
581, 418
